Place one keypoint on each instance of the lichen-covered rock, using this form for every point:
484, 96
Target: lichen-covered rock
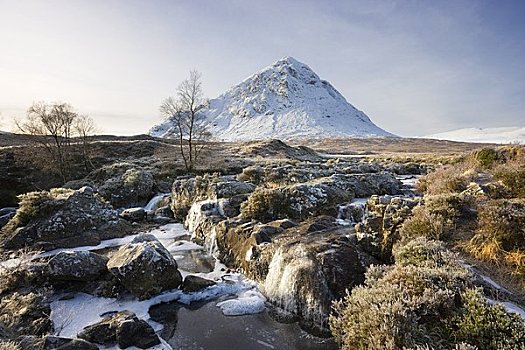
187, 191
384, 217
145, 267
76, 266
132, 188
62, 218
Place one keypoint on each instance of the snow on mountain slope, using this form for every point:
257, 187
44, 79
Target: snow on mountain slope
488, 135
286, 100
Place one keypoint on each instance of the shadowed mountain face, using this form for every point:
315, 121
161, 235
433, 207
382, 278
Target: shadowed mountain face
286, 101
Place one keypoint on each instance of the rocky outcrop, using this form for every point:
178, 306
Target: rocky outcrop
302, 268
307, 273
379, 230
145, 267
76, 266
185, 192
122, 328
316, 197
62, 218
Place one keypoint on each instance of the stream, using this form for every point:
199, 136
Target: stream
231, 314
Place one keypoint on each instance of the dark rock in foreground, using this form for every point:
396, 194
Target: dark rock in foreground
123, 328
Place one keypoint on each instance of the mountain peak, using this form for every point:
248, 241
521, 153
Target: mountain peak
285, 100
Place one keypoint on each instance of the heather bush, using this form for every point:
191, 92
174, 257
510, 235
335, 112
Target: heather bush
424, 301
399, 307
447, 179
423, 223
513, 177
487, 326
422, 252
487, 157
439, 217
265, 205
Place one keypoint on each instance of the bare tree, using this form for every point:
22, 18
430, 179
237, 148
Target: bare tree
184, 113
84, 126
54, 125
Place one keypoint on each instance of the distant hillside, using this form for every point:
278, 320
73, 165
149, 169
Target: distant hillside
487, 135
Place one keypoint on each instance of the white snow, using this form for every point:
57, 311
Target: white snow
246, 303
165, 234
488, 135
285, 100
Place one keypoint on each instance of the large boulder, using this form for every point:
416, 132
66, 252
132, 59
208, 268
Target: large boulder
132, 188
307, 273
76, 266
122, 184
122, 328
145, 267
302, 269
62, 218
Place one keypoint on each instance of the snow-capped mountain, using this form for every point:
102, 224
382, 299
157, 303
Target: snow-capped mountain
488, 135
285, 100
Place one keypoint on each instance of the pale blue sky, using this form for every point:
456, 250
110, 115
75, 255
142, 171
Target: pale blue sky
415, 67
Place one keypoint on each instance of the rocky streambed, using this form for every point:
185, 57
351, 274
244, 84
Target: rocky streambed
231, 307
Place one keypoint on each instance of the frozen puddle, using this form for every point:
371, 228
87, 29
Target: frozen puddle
209, 325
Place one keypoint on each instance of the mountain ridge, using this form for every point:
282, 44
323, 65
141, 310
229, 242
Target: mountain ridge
285, 100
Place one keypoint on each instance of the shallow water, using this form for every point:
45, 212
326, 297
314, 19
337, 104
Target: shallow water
208, 328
